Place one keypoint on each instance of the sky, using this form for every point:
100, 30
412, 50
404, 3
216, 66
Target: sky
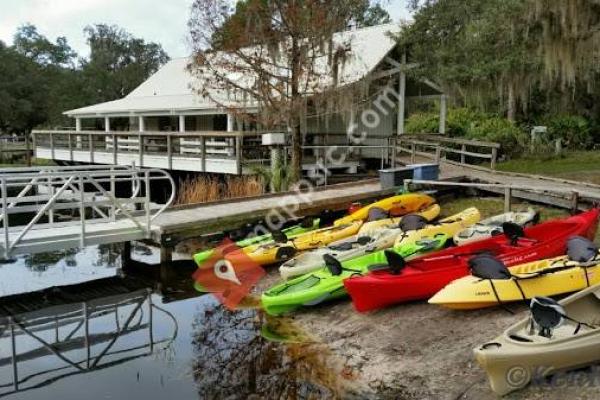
161, 21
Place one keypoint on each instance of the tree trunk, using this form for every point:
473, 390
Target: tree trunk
294, 125
511, 104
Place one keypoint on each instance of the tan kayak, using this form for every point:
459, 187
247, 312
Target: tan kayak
558, 337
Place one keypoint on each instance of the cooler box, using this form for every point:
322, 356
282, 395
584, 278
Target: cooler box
393, 177
426, 172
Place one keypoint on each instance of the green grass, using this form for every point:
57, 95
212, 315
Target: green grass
577, 165
35, 162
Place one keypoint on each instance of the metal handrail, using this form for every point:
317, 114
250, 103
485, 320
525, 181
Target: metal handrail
78, 189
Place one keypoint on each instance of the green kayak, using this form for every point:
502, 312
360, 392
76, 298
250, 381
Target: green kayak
307, 225
327, 283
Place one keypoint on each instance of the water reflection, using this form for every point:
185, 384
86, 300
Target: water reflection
129, 336
233, 359
46, 345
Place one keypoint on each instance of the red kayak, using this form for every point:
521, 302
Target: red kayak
421, 278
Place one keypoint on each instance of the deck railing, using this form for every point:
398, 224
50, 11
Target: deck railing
240, 147
440, 147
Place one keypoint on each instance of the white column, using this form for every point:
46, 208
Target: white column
141, 124
77, 124
106, 124
401, 96
230, 123
443, 113
182, 123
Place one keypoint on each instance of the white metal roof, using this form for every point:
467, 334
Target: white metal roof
169, 90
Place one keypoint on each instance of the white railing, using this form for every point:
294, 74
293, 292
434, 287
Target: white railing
34, 198
99, 146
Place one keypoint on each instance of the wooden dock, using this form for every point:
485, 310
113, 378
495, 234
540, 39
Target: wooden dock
184, 222
555, 192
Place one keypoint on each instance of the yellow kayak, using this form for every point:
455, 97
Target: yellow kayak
448, 226
543, 278
429, 213
395, 206
278, 251
284, 249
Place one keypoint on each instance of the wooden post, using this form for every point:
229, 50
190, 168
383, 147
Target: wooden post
34, 142
438, 153
27, 150
91, 144
51, 145
443, 111
494, 157
558, 147
401, 96
69, 138
166, 259
115, 141
574, 202
203, 153
141, 149
126, 255
507, 198
413, 152
463, 148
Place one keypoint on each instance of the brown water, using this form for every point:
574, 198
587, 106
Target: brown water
142, 342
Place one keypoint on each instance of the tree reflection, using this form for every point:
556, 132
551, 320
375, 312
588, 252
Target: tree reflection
234, 360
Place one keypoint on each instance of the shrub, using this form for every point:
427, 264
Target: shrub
422, 123
573, 130
460, 120
512, 139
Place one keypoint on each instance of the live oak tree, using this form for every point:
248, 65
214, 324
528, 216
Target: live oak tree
276, 56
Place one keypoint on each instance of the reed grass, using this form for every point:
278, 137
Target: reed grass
207, 188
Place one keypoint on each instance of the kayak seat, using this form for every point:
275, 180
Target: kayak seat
412, 222
342, 246
278, 236
333, 264
513, 232
376, 213
581, 249
285, 253
485, 266
307, 222
547, 314
364, 240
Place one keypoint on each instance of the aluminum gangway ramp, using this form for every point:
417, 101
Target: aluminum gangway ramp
52, 208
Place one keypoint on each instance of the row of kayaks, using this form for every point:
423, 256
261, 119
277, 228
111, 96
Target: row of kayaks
397, 250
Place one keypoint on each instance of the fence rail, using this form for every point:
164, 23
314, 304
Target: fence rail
437, 147
196, 147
